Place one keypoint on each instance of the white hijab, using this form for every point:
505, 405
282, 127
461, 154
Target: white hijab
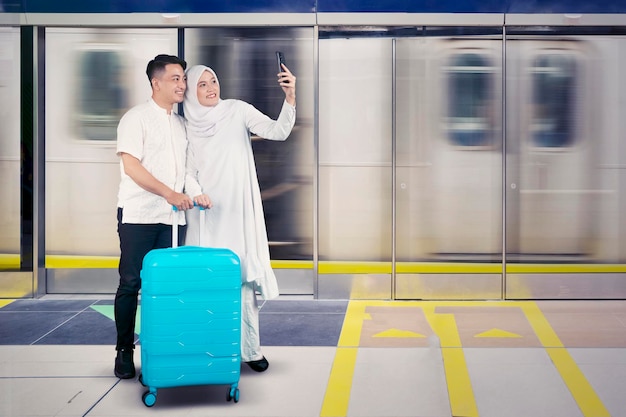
202, 121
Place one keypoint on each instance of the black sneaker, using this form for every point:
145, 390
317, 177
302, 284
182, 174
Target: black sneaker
260, 366
124, 365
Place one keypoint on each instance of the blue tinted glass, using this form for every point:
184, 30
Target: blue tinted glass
469, 118
101, 98
553, 84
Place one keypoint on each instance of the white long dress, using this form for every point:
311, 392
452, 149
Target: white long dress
222, 166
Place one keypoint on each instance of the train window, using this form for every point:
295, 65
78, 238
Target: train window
553, 89
101, 99
469, 118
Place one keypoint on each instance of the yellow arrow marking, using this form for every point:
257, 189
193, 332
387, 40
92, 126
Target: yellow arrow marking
498, 333
398, 333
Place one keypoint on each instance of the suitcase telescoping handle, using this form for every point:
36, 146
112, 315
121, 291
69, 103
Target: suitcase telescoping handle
178, 213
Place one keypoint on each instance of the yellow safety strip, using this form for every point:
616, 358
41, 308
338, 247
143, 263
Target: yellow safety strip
73, 261
556, 268
331, 267
327, 267
8, 261
448, 268
69, 261
292, 264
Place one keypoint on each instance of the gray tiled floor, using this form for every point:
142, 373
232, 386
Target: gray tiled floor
56, 359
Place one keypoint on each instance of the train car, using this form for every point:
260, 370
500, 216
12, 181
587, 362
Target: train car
554, 148
466, 148
550, 117
92, 77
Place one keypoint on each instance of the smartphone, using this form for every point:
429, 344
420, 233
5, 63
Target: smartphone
280, 59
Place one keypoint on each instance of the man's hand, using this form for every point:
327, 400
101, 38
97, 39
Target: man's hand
179, 200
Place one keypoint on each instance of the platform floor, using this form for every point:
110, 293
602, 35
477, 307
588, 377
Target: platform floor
338, 358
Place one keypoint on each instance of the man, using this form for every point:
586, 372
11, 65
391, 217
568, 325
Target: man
151, 143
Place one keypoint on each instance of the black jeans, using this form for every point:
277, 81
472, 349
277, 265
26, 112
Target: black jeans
136, 240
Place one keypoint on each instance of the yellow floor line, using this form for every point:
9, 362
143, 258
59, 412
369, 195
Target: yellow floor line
582, 391
353, 323
337, 397
460, 392
5, 302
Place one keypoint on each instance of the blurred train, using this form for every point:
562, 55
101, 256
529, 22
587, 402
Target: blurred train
558, 148
94, 76
512, 144
412, 145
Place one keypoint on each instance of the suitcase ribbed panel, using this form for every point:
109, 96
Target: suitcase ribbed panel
190, 317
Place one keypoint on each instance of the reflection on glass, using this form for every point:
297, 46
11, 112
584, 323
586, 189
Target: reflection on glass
470, 93
553, 82
10, 166
245, 62
101, 96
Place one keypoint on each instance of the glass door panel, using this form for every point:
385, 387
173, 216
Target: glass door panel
565, 165
448, 168
355, 151
10, 149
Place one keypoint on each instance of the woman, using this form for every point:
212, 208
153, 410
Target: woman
222, 176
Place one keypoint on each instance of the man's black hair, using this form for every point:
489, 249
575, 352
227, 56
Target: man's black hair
160, 61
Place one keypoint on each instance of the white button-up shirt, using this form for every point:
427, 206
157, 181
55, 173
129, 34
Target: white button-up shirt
159, 141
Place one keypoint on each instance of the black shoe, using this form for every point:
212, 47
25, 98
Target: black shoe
260, 366
124, 365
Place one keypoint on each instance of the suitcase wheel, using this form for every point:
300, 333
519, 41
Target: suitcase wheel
149, 398
233, 394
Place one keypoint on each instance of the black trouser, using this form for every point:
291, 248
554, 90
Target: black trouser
136, 240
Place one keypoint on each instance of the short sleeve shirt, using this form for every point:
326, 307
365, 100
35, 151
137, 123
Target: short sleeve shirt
159, 141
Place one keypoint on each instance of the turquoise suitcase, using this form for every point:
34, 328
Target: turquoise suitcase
190, 319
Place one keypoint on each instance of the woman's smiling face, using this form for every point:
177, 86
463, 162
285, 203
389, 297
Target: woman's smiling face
208, 89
